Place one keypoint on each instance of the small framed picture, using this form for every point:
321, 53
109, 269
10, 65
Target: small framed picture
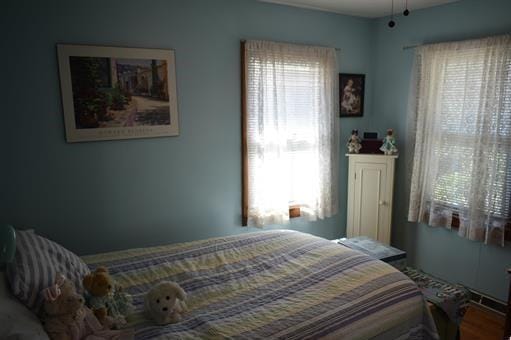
351, 96
117, 93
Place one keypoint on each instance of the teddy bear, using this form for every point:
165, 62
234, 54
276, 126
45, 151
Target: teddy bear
66, 318
107, 300
165, 303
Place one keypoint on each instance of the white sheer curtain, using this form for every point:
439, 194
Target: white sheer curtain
462, 155
292, 134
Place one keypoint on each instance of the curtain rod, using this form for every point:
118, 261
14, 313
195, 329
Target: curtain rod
454, 41
336, 48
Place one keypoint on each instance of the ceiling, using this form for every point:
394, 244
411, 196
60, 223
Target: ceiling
362, 8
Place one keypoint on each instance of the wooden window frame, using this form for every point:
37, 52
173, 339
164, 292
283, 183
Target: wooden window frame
294, 210
244, 147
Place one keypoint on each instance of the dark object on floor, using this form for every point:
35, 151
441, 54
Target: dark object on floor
507, 327
447, 330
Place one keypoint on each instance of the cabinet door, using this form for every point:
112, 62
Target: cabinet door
370, 195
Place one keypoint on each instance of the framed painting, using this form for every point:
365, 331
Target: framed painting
351, 96
117, 93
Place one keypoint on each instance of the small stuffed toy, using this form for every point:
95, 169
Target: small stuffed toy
107, 300
165, 303
66, 318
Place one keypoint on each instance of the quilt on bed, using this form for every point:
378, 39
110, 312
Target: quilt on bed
273, 284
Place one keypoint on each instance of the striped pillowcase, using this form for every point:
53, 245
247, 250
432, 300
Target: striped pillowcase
36, 264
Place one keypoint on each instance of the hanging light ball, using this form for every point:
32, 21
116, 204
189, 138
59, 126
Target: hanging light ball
406, 12
392, 23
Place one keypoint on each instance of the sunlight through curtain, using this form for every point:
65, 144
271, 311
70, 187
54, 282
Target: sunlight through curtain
292, 131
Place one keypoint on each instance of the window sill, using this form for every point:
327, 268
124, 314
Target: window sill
294, 211
455, 225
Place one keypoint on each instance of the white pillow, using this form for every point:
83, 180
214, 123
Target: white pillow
35, 266
16, 321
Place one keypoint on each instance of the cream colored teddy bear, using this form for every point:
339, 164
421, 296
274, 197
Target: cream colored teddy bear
165, 303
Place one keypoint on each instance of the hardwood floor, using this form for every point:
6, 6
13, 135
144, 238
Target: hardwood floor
482, 324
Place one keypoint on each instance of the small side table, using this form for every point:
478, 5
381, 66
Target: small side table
448, 302
393, 256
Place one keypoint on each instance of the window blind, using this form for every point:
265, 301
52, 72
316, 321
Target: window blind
461, 147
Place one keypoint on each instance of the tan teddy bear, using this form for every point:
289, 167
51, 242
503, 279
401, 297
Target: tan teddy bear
106, 299
66, 318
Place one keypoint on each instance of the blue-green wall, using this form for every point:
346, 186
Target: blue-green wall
111, 195
102, 196
436, 251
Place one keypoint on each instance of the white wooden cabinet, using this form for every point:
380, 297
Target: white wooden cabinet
370, 190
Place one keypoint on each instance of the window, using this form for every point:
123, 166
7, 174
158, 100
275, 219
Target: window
290, 135
460, 137
463, 139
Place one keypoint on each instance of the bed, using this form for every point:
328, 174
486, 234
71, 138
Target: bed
273, 284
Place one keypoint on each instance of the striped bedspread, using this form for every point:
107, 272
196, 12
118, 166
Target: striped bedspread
273, 284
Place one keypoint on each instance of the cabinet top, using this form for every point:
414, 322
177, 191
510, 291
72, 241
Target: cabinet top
370, 155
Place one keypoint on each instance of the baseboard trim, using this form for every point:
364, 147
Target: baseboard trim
487, 302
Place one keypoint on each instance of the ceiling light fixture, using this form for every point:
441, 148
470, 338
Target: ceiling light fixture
406, 12
392, 23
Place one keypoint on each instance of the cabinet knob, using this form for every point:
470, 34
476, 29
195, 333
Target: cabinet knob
381, 203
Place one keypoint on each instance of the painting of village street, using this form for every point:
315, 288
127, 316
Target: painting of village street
112, 93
